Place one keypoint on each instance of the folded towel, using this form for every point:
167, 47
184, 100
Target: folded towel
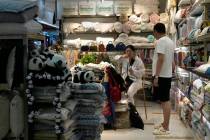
15, 6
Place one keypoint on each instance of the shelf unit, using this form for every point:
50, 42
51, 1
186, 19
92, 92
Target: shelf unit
192, 74
25, 38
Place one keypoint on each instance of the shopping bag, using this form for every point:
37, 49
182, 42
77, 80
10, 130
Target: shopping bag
135, 119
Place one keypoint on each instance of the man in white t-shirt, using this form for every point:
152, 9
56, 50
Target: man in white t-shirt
162, 67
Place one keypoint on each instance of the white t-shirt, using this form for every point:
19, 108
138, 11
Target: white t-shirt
164, 46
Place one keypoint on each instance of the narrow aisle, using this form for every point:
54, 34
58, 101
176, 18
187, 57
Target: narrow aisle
177, 128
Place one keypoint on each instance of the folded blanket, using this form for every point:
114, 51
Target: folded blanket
16, 6
21, 17
20, 28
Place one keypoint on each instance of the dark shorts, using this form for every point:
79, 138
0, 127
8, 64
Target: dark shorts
162, 92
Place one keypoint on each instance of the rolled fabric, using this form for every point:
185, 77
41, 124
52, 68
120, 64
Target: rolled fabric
154, 18
146, 27
104, 27
144, 18
118, 27
134, 19
164, 18
136, 28
137, 39
127, 27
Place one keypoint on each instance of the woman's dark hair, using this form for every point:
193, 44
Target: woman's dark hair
130, 47
160, 28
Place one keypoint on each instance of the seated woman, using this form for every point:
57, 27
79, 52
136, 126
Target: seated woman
132, 71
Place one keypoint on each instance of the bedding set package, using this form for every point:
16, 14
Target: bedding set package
16, 17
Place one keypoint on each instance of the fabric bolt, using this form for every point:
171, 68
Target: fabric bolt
118, 27
104, 27
136, 28
144, 18
134, 19
154, 18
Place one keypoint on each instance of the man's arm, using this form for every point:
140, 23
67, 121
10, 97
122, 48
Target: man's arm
159, 64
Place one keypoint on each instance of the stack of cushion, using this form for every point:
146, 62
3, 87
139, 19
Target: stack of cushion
16, 15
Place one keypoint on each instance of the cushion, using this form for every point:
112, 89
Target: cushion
16, 6
4, 117
10, 67
203, 68
16, 116
20, 17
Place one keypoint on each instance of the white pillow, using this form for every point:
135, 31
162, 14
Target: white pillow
10, 67
16, 116
4, 117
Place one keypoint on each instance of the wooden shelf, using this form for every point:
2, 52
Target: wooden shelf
204, 38
89, 16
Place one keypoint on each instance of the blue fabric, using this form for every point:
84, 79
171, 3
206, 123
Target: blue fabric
208, 72
15, 6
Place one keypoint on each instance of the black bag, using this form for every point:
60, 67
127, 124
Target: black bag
135, 119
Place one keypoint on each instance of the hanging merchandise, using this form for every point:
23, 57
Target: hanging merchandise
87, 7
70, 7
105, 8
123, 7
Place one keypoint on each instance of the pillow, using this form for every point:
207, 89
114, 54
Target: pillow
4, 117
16, 116
203, 68
10, 67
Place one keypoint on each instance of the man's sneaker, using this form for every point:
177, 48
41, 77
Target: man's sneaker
158, 126
161, 131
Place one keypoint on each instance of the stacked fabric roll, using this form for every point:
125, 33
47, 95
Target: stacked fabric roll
16, 17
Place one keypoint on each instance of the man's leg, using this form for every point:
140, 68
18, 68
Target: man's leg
166, 106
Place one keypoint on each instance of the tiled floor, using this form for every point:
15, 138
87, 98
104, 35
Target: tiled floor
177, 128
